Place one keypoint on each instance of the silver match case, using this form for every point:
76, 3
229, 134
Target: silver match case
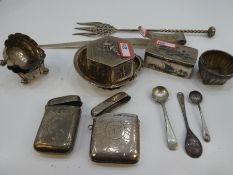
115, 137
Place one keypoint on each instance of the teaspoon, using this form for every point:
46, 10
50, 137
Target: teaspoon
196, 98
193, 146
160, 95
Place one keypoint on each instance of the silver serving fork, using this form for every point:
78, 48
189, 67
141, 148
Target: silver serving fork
103, 29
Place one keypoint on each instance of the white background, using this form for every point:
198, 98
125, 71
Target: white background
22, 106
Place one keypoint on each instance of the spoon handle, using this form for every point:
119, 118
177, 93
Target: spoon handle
205, 131
171, 138
180, 97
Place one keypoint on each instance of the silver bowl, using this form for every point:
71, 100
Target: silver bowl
23, 56
215, 67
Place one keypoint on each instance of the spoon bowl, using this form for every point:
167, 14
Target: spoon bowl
160, 94
193, 145
195, 97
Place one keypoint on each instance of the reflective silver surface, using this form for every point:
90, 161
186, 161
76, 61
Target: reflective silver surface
58, 127
115, 138
170, 37
193, 145
171, 58
215, 67
80, 64
136, 43
196, 98
23, 56
160, 95
105, 63
103, 29
110, 103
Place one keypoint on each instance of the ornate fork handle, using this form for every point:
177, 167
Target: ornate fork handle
103, 29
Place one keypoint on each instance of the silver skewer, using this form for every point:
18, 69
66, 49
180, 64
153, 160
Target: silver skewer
136, 42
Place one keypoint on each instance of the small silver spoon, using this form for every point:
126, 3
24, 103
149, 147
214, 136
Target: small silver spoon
160, 95
196, 98
193, 145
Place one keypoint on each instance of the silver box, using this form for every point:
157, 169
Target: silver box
171, 58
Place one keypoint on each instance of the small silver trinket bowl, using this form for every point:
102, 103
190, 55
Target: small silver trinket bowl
23, 56
215, 67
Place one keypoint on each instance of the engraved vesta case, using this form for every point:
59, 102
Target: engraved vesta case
115, 137
23, 56
58, 127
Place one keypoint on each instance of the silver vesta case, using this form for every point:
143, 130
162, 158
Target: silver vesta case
171, 58
58, 127
115, 137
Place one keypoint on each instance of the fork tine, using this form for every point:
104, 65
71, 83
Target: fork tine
89, 29
85, 34
89, 23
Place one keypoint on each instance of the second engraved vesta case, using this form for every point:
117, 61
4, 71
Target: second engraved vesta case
115, 137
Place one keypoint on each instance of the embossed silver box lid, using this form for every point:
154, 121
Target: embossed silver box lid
171, 58
105, 62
